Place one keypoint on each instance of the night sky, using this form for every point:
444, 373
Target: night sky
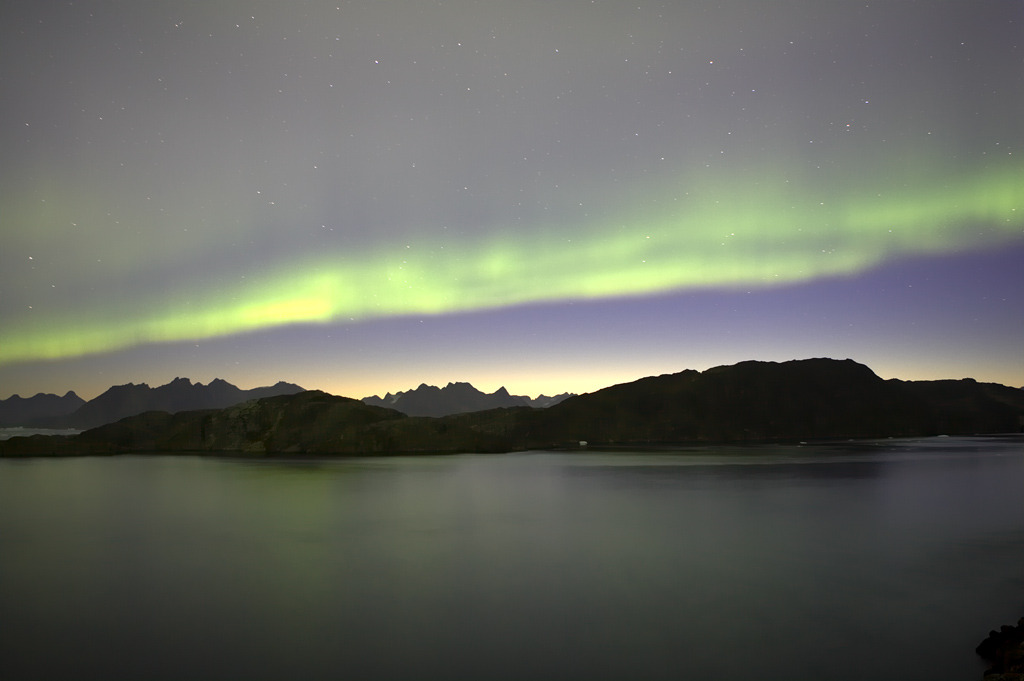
550, 196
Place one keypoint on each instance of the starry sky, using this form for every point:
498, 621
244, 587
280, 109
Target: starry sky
551, 196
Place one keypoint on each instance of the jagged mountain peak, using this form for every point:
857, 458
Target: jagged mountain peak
117, 402
456, 397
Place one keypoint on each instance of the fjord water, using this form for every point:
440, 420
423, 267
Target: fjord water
868, 560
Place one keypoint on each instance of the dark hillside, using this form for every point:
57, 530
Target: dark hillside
750, 401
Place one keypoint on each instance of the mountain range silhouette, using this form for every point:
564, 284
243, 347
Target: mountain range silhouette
120, 401
71, 411
750, 402
457, 398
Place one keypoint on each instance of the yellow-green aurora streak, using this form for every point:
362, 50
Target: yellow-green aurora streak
757, 234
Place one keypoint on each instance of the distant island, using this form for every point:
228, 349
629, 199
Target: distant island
749, 402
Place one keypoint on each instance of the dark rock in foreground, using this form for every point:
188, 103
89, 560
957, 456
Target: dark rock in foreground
1004, 651
748, 402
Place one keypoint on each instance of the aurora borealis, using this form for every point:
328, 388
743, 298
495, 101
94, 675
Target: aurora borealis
366, 196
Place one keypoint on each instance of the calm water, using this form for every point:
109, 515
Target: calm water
867, 561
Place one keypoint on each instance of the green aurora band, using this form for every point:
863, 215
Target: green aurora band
759, 233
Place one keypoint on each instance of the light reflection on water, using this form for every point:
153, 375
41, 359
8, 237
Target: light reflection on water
878, 560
